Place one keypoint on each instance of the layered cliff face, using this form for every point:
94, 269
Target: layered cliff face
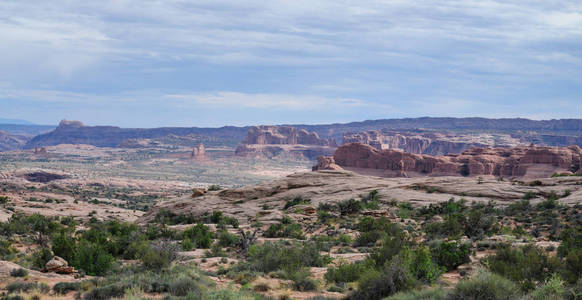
513, 162
273, 140
433, 143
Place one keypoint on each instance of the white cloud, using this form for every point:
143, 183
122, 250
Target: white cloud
226, 99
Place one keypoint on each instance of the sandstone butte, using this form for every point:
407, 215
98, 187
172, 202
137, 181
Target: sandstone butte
273, 140
531, 162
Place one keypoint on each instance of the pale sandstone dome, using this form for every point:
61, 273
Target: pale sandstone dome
513, 162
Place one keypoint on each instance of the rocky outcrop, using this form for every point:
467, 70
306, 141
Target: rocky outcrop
199, 152
271, 141
514, 162
433, 143
59, 265
247, 203
282, 135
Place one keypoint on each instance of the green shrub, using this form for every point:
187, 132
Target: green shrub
20, 272
553, 288
344, 272
105, 292
391, 246
187, 244
21, 286
6, 248
451, 254
159, 255
270, 257
525, 265
424, 294
292, 230
296, 201
65, 287
200, 234
226, 239
485, 286
422, 266
378, 284
350, 206
92, 258
573, 266
40, 257
571, 239
302, 282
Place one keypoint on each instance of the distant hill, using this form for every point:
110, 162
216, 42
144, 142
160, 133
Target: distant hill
551, 132
15, 121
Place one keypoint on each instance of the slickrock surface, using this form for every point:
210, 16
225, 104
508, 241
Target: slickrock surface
529, 162
246, 203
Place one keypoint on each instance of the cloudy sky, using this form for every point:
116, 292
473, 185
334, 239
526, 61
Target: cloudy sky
140, 63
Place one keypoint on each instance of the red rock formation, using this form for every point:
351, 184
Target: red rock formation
282, 135
273, 140
433, 143
199, 152
514, 162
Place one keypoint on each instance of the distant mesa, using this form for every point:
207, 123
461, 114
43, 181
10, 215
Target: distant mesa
270, 141
523, 161
70, 124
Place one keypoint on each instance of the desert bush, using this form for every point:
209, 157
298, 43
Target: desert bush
451, 254
350, 206
422, 267
366, 239
65, 287
21, 286
485, 286
200, 234
345, 272
6, 248
296, 201
443, 208
159, 255
572, 270
423, 294
277, 256
20, 272
391, 246
302, 282
518, 207
525, 265
571, 239
40, 257
292, 230
92, 258
226, 239
553, 288
378, 284
105, 292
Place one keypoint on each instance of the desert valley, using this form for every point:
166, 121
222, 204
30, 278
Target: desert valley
422, 208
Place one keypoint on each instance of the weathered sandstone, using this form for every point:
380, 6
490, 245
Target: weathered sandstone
274, 140
514, 162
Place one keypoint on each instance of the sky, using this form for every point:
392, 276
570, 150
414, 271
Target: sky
141, 63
